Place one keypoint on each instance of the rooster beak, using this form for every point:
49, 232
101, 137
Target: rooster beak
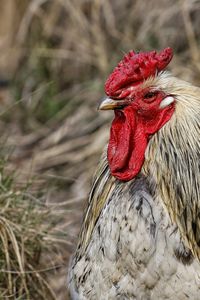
108, 103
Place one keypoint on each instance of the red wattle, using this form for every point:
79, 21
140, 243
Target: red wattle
127, 144
129, 137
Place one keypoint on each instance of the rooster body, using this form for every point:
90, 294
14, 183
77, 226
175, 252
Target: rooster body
140, 238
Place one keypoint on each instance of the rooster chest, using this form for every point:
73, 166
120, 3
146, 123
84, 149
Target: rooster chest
133, 250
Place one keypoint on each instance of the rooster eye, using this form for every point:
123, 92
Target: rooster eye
150, 96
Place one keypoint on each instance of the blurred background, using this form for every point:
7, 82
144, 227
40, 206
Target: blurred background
54, 58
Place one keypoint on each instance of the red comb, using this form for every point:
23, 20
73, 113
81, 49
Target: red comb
136, 67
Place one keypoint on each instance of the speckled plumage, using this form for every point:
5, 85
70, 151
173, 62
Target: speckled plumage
141, 239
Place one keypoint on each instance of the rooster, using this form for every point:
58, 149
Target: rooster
140, 238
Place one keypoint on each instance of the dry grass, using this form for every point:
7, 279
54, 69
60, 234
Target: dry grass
22, 236
58, 54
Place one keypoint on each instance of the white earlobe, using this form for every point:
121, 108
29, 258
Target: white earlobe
166, 101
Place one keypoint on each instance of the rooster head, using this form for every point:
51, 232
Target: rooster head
141, 109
